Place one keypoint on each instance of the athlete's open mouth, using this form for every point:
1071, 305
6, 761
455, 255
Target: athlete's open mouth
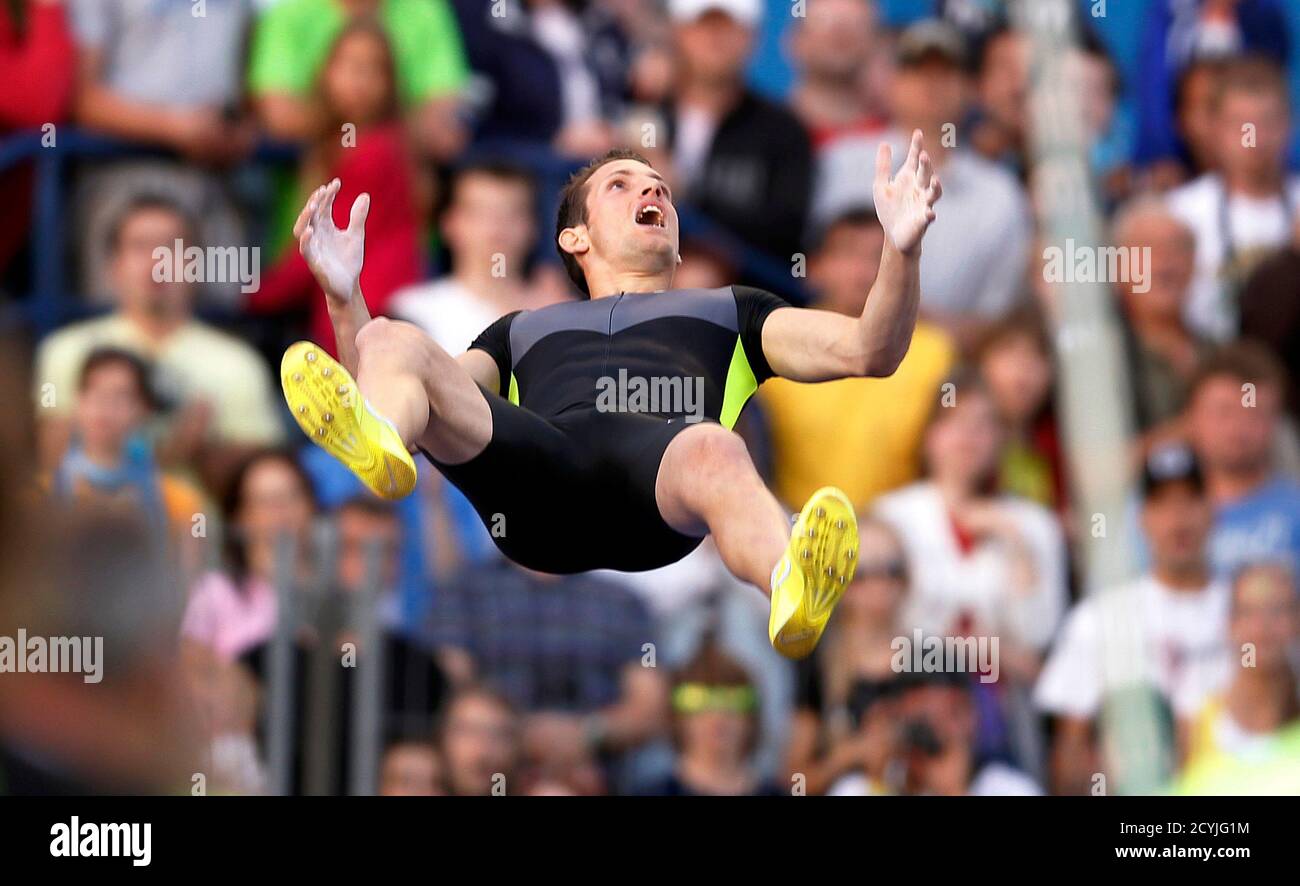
650, 214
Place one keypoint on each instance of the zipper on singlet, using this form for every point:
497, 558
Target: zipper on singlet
609, 334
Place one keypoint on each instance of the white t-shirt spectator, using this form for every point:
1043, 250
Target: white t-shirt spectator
951, 585
992, 780
976, 252
1253, 225
446, 310
1178, 639
164, 52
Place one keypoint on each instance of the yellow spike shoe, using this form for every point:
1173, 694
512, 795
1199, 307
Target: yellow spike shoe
812, 575
325, 402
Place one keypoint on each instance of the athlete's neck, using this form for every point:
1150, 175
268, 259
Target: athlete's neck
601, 283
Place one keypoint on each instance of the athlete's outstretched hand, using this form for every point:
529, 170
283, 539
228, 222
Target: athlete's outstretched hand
905, 202
334, 256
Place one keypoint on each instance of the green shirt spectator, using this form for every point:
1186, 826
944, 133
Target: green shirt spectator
293, 41
294, 37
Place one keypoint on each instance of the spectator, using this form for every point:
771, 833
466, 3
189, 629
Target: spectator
1000, 124
1248, 723
850, 677
1015, 362
1163, 352
1270, 312
741, 160
704, 265
973, 268
1000, 130
556, 71
412, 686
1180, 33
1245, 208
489, 229
268, 503
95, 573
1165, 630
937, 741
877, 422
224, 700
1194, 105
1233, 416
360, 141
292, 43
222, 386
365, 527
35, 50
565, 650
715, 730
110, 459
411, 769
983, 563
833, 45
157, 74
479, 742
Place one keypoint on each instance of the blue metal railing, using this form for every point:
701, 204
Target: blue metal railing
51, 300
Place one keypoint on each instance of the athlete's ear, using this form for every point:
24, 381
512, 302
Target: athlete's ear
574, 240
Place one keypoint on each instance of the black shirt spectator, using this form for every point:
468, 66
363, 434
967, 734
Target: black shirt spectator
414, 689
757, 174
520, 94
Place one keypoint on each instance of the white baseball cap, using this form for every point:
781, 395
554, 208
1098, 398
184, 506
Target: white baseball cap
747, 12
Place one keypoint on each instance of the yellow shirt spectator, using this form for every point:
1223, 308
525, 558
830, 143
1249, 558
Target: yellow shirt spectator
196, 362
860, 434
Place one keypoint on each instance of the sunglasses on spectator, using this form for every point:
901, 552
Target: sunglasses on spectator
895, 569
695, 698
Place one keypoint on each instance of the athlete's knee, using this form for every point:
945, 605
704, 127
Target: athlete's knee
712, 450
395, 343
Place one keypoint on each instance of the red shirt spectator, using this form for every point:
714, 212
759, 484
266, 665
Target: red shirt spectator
380, 166
36, 64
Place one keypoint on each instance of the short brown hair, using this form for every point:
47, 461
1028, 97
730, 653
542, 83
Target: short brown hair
1252, 75
1245, 361
573, 207
141, 372
713, 667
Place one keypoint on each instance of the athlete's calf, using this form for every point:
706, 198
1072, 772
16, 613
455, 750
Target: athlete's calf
431, 400
707, 482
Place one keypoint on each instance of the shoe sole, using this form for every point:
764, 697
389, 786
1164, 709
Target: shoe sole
823, 547
326, 404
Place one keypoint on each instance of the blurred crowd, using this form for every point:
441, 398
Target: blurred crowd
159, 496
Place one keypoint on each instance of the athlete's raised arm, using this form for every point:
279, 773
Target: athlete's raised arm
813, 345
336, 258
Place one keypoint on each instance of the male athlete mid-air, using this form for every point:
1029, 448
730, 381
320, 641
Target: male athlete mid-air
519, 424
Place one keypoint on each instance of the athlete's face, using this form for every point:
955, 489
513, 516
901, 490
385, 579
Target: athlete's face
631, 221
